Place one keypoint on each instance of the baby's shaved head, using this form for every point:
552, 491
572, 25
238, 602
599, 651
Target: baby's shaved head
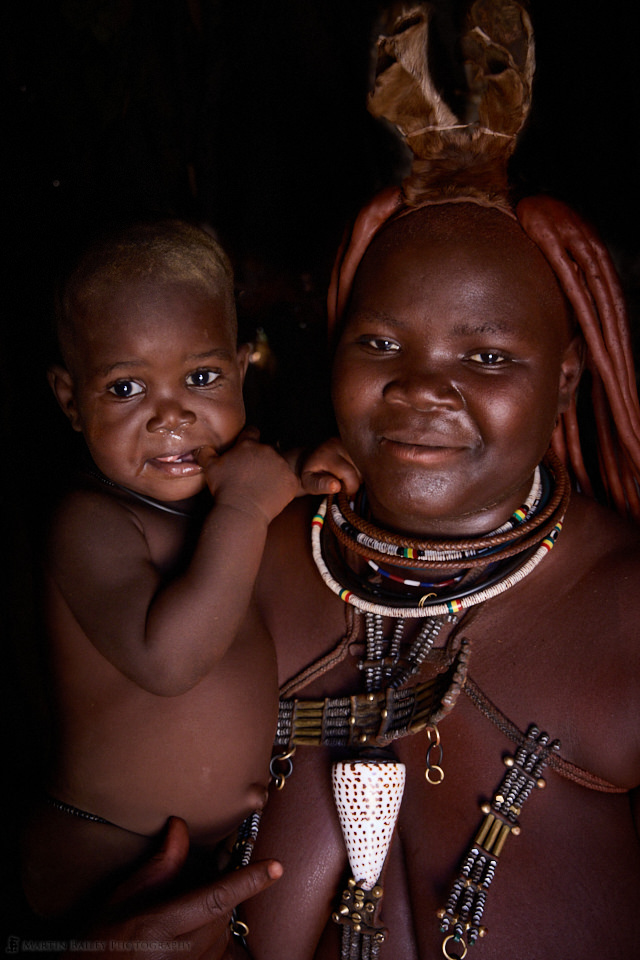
162, 252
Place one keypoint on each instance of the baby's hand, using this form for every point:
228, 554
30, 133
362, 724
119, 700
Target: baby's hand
328, 469
250, 476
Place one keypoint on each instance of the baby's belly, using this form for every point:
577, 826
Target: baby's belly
136, 758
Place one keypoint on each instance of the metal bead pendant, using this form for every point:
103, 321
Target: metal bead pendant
367, 795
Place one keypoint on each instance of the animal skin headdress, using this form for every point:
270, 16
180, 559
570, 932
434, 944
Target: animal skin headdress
465, 158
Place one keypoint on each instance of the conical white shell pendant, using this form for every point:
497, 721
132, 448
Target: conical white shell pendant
368, 796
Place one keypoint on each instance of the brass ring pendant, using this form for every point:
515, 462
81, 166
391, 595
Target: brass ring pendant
454, 956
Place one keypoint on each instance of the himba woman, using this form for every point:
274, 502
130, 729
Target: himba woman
489, 662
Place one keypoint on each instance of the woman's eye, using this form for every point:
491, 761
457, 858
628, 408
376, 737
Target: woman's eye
488, 358
123, 389
202, 378
380, 344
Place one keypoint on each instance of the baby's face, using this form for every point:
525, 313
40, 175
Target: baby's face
451, 370
156, 375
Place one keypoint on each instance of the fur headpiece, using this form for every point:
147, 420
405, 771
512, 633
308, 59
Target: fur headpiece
465, 158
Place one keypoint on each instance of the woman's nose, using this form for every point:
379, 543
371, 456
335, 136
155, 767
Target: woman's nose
424, 389
169, 414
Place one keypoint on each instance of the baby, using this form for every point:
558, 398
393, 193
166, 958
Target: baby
163, 673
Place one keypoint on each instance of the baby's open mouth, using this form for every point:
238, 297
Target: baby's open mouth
178, 458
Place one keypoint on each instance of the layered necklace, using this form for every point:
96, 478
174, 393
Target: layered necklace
435, 581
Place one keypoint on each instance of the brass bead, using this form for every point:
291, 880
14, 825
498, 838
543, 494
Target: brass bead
357, 928
363, 738
541, 783
515, 831
379, 937
377, 892
356, 917
482, 932
344, 910
486, 808
508, 761
359, 894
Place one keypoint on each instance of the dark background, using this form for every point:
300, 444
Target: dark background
249, 116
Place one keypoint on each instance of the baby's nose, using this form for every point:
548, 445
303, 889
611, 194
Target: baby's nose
169, 414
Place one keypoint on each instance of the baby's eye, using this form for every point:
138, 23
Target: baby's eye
202, 378
380, 344
488, 358
123, 389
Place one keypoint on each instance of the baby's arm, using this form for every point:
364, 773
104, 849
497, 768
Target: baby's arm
327, 469
165, 633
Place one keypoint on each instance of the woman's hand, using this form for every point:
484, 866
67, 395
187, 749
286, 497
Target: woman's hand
143, 922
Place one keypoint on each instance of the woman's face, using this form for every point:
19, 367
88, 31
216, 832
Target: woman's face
451, 370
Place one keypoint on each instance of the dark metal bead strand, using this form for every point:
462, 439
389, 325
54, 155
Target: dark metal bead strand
335, 721
465, 905
476, 918
478, 872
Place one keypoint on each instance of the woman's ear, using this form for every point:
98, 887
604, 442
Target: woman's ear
61, 382
570, 372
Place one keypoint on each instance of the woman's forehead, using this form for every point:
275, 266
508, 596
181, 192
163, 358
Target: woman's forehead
458, 247
473, 231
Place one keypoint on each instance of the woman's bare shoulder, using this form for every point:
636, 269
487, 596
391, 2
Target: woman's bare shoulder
596, 533
290, 532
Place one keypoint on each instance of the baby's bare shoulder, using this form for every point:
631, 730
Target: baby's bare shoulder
88, 497
90, 530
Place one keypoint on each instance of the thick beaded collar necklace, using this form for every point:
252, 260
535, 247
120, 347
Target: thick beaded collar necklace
461, 573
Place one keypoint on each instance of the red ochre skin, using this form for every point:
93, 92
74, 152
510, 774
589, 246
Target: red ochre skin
455, 359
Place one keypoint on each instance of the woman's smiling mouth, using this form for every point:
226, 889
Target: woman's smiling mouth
425, 448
